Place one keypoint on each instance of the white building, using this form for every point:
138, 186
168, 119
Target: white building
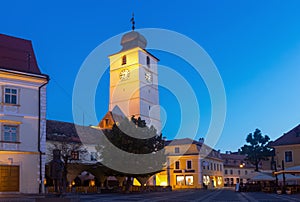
22, 117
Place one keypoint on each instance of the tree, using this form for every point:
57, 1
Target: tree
133, 137
257, 148
69, 151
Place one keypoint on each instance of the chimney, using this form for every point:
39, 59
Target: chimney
201, 140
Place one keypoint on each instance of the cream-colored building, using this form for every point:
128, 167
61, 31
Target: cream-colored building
236, 167
287, 149
191, 164
22, 117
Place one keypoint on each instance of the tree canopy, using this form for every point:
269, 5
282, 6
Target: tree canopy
133, 145
257, 148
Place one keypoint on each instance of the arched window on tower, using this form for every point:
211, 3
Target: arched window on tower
148, 61
124, 60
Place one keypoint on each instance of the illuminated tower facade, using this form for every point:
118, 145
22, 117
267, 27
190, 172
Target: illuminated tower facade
134, 80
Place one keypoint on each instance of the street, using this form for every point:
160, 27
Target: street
218, 195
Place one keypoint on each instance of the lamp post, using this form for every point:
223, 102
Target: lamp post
283, 176
274, 167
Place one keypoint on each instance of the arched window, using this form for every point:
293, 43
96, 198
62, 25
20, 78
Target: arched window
124, 60
148, 61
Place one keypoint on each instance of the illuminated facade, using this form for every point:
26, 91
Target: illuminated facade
134, 80
191, 164
236, 167
22, 118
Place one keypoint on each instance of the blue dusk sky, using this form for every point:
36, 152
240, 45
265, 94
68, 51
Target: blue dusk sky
255, 46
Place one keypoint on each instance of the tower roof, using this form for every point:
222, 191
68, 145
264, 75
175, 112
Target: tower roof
133, 39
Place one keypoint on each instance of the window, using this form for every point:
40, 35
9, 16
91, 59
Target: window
215, 167
220, 167
246, 172
148, 61
189, 180
231, 172
75, 155
124, 60
177, 150
93, 156
10, 133
177, 165
189, 164
10, 95
179, 180
226, 172
288, 156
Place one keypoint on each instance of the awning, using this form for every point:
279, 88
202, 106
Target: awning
290, 170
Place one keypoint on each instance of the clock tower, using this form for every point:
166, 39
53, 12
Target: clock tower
134, 80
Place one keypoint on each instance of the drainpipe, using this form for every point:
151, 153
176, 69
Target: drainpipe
39, 136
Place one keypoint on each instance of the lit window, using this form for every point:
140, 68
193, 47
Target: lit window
177, 150
10, 95
10, 133
288, 156
177, 165
188, 164
189, 180
180, 180
75, 155
206, 179
124, 60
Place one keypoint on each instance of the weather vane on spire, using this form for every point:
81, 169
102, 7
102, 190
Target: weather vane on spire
133, 22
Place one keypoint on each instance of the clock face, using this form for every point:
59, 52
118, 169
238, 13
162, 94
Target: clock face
124, 74
148, 77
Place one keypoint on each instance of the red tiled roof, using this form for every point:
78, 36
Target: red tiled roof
289, 138
17, 54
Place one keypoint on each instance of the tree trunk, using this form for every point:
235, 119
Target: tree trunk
128, 184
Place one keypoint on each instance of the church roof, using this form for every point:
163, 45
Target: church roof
17, 54
289, 138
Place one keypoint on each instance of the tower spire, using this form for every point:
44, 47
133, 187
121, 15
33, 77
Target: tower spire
132, 22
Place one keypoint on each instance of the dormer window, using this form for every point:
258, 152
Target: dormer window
148, 61
124, 60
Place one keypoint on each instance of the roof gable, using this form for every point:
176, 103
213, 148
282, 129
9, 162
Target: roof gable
289, 138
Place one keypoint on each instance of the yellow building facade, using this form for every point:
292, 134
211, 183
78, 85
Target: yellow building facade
287, 149
188, 166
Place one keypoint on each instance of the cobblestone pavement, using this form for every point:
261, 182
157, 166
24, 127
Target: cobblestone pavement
220, 195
